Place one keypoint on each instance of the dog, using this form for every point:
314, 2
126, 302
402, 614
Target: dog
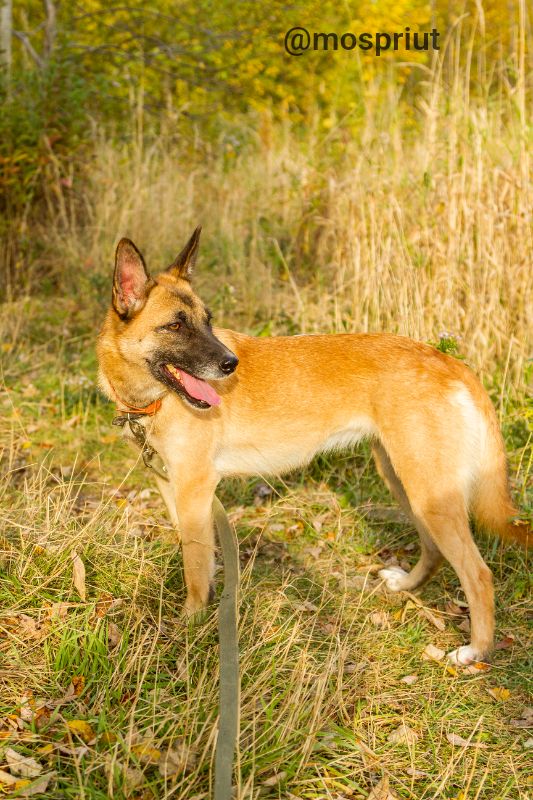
217, 403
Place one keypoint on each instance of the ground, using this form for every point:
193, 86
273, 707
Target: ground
106, 692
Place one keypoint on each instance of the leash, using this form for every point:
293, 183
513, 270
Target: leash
228, 641
228, 635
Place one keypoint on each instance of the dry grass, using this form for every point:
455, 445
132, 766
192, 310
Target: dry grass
409, 230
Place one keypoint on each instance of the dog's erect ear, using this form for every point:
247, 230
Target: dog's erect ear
130, 281
183, 264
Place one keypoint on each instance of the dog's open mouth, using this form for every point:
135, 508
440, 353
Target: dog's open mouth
195, 390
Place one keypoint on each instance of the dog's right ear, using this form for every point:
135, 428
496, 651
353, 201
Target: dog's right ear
130, 281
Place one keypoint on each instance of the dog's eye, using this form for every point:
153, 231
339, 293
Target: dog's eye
174, 326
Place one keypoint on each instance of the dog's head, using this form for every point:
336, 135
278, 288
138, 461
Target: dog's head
157, 335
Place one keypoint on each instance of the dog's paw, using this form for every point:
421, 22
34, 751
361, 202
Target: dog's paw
464, 655
194, 612
394, 578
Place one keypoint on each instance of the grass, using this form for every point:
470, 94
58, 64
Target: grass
323, 647
417, 233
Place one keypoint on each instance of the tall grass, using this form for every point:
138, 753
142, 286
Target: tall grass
413, 222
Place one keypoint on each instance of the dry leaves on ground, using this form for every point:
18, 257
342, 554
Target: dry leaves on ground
432, 653
81, 728
525, 720
458, 741
499, 693
437, 622
380, 619
403, 735
22, 765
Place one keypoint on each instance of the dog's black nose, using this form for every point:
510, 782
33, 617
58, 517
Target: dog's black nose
228, 364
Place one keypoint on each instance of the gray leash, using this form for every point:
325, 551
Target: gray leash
228, 726
228, 635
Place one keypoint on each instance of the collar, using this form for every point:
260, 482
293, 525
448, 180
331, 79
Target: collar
125, 408
147, 411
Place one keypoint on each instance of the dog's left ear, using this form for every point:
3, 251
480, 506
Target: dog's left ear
183, 264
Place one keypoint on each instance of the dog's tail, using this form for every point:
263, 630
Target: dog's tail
491, 504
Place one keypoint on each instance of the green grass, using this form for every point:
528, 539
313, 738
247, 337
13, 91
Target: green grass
324, 647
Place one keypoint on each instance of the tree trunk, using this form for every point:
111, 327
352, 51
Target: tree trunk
6, 25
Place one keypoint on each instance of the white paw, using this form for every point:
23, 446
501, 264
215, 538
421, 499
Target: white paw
464, 655
394, 578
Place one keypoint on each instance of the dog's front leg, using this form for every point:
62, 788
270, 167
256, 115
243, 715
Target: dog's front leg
194, 500
168, 493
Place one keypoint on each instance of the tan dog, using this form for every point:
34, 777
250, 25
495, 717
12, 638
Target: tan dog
434, 432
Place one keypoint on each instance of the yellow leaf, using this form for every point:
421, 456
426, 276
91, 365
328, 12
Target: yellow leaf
499, 693
146, 753
82, 729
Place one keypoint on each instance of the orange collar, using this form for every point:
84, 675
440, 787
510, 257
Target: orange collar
148, 411
125, 408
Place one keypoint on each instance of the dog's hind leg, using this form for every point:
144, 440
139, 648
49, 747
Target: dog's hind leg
445, 517
396, 578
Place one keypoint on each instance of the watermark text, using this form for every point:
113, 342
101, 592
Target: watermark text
300, 40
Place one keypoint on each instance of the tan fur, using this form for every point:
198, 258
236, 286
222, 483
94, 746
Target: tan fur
434, 432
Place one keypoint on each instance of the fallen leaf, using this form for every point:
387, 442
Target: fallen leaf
114, 634
499, 693
133, 778
528, 744
22, 765
403, 735
146, 753
476, 668
432, 653
417, 773
176, 760
409, 679
306, 605
458, 741
275, 779
82, 729
27, 627
465, 625
78, 684
437, 622
103, 604
455, 610
78, 575
58, 610
46, 749
526, 719
350, 667
380, 619
381, 791
28, 788
504, 643
6, 778
68, 750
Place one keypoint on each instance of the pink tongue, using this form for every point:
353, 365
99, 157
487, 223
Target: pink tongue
199, 389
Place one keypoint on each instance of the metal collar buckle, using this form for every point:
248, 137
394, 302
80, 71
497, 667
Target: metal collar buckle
151, 457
